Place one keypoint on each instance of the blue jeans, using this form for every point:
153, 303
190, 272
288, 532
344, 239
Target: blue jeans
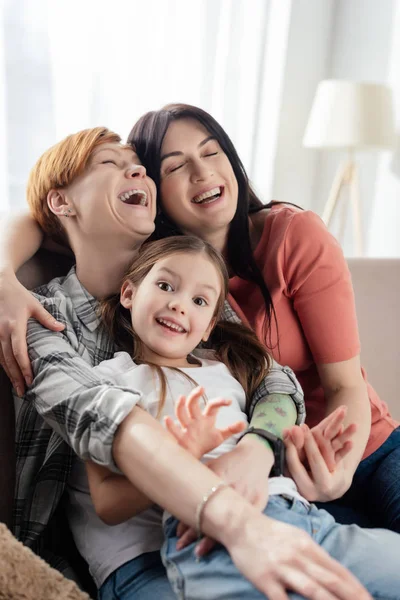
371, 555
375, 488
143, 578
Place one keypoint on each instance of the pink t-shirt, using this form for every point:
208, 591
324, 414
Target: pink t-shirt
309, 281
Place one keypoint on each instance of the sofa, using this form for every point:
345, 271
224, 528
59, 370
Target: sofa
376, 285
377, 288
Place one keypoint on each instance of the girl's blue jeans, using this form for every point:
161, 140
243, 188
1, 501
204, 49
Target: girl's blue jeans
372, 555
143, 578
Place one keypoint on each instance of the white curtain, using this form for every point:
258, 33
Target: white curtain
254, 64
70, 64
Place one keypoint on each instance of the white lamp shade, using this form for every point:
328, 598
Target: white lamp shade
346, 114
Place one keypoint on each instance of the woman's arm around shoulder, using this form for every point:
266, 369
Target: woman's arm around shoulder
20, 238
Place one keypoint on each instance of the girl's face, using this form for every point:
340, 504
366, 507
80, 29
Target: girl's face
173, 307
199, 190
114, 197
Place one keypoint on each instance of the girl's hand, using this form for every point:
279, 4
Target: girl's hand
195, 429
17, 305
333, 440
317, 482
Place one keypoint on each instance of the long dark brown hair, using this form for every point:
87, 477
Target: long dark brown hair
234, 344
147, 137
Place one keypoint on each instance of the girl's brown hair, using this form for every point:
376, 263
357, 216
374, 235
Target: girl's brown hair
235, 345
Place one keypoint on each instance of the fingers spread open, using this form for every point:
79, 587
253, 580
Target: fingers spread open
297, 436
333, 422
326, 448
340, 454
214, 405
175, 429
181, 412
315, 459
298, 472
345, 436
192, 403
232, 429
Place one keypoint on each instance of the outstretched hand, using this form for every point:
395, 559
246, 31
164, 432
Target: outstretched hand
315, 456
332, 438
195, 429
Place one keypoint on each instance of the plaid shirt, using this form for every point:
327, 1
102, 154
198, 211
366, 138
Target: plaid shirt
68, 410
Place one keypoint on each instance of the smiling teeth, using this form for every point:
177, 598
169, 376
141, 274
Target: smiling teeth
141, 193
201, 197
171, 325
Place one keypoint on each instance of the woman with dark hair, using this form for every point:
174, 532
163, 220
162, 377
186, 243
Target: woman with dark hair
290, 281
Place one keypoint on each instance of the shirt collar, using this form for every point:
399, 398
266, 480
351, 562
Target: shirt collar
85, 304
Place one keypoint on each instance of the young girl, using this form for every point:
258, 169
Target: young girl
170, 302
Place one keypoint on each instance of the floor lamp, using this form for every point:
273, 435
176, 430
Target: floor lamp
349, 116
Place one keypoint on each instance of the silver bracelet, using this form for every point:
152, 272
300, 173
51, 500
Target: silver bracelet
202, 504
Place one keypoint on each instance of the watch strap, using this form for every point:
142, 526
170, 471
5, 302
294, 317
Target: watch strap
278, 448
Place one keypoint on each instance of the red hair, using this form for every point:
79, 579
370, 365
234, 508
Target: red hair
58, 167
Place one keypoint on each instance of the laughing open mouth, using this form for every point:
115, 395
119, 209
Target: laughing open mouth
135, 197
208, 197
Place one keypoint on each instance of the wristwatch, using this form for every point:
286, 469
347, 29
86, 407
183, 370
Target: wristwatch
278, 448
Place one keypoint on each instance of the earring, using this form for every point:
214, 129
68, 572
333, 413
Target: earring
67, 212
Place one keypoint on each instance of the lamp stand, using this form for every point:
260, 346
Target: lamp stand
346, 176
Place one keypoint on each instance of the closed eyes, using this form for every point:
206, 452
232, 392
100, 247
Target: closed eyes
177, 167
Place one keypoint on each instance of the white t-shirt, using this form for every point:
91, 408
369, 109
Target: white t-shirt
104, 547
